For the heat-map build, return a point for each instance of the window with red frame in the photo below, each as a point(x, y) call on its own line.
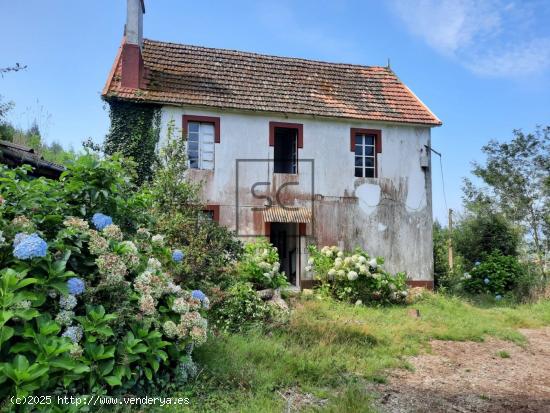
point(202, 133)
point(366, 144)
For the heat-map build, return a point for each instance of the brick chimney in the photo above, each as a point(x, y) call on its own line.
point(132, 61)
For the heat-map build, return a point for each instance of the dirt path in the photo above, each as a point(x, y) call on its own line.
point(473, 377)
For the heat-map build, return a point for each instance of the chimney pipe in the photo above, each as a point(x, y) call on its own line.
point(134, 22)
point(132, 60)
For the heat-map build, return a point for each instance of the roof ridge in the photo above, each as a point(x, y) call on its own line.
point(300, 59)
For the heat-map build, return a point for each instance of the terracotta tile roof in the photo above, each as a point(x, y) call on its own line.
point(190, 75)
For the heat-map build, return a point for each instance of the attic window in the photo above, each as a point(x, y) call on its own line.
point(285, 138)
point(366, 145)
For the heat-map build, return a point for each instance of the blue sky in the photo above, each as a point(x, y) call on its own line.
point(482, 66)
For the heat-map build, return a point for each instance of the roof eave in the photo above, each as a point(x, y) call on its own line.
point(113, 95)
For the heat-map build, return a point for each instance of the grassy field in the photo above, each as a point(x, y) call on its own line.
point(331, 349)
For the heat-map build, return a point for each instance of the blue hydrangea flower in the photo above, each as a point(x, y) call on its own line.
point(177, 255)
point(18, 238)
point(74, 333)
point(198, 294)
point(29, 246)
point(498, 297)
point(477, 263)
point(101, 221)
point(486, 281)
point(76, 286)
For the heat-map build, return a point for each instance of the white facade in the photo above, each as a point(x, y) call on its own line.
point(389, 216)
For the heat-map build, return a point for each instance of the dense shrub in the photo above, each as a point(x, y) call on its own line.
point(259, 265)
point(497, 275)
point(88, 306)
point(210, 249)
point(355, 276)
point(89, 184)
point(238, 308)
point(476, 236)
point(440, 254)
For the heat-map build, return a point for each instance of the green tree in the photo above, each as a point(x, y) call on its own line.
point(479, 234)
point(441, 257)
point(516, 175)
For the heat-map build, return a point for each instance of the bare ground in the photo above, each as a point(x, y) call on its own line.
point(473, 377)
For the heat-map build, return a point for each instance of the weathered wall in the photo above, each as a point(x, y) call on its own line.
point(389, 216)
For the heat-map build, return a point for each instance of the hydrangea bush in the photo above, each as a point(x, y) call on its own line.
point(88, 300)
point(260, 266)
point(497, 275)
point(91, 311)
point(355, 277)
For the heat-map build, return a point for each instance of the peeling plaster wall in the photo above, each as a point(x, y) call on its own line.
point(390, 216)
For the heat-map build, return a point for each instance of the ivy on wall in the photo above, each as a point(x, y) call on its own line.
point(134, 132)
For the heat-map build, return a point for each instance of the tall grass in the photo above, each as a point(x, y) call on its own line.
point(331, 349)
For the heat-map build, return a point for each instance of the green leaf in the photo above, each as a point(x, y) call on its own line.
point(113, 381)
point(5, 334)
point(148, 373)
point(106, 367)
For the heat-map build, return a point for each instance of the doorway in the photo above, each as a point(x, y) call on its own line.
point(285, 236)
point(285, 151)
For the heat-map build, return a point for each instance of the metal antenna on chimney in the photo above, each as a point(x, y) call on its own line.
point(389, 65)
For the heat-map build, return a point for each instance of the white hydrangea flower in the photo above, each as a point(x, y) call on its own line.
point(310, 261)
point(130, 246)
point(153, 264)
point(158, 239)
point(337, 262)
point(341, 273)
point(332, 272)
point(308, 268)
point(373, 263)
point(340, 254)
point(352, 275)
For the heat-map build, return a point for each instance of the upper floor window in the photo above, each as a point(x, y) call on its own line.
point(366, 144)
point(202, 133)
point(285, 138)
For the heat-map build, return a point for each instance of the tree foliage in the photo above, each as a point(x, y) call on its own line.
point(516, 175)
point(476, 236)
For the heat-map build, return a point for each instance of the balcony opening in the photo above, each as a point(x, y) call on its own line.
point(285, 150)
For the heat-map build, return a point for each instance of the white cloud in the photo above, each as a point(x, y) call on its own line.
point(489, 37)
point(523, 59)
